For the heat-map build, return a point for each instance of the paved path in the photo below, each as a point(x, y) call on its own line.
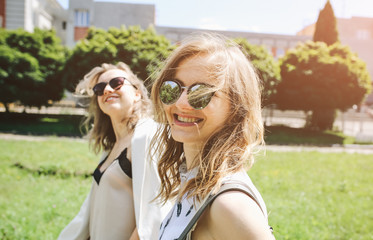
point(11, 136)
point(363, 149)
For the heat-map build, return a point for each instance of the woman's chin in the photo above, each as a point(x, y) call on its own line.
point(186, 137)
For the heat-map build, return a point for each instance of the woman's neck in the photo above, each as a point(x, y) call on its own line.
point(123, 136)
point(120, 127)
point(191, 152)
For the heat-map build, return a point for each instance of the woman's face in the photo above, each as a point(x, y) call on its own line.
point(188, 125)
point(117, 102)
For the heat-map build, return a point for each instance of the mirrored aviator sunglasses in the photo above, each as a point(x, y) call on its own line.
point(114, 83)
point(199, 94)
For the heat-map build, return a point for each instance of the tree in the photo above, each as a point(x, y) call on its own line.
point(268, 69)
point(142, 50)
point(19, 77)
point(29, 65)
point(321, 79)
point(326, 26)
point(326, 31)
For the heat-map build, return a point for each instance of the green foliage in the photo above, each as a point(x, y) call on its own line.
point(30, 64)
point(142, 50)
point(267, 68)
point(316, 77)
point(326, 26)
point(3, 36)
point(20, 77)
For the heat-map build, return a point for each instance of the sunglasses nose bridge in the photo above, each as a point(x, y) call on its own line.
point(108, 89)
point(182, 101)
point(184, 90)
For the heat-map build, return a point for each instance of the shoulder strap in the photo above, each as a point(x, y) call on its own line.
point(125, 164)
point(224, 188)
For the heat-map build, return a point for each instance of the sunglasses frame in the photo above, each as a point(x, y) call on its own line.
point(101, 91)
point(182, 88)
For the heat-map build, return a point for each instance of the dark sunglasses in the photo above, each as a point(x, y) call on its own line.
point(199, 94)
point(115, 83)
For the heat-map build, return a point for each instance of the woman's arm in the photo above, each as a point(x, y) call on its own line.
point(233, 215)
point(145, 182)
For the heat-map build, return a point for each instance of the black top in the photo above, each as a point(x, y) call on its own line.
point(124, 164)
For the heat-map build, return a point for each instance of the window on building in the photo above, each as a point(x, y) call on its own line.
point(363, 34)
point(273, 51)
point(280, 52)
point(64, 25)
point(81, 18)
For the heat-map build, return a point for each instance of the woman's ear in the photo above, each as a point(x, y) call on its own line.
point(137, 96)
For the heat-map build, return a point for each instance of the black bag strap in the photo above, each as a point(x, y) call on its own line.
point(224, 188)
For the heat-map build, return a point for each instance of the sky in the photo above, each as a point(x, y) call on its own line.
point(262, 16)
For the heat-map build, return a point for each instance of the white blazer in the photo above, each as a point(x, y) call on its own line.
point(145, 183)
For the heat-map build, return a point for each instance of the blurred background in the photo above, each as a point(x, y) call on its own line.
point(272, 32)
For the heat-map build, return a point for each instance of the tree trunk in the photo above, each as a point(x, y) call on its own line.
point(6, 107)
point(322, 119)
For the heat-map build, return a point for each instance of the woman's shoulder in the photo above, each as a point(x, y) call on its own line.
point(145, 121)
point(146, 126)
point(242, 179)
point(236, 213)
point(234, 203)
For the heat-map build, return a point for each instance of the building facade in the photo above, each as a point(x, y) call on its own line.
point(83, 14)
point(276, 44)
point(30, 14)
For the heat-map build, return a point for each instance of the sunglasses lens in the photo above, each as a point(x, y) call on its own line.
point(98, 89)
point(199, 96)
point(169, 92)
point(116, 82)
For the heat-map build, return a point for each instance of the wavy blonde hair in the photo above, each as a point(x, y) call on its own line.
point(231, 147)
point(101, 134)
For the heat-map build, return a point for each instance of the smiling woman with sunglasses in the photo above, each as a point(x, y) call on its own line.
point(119, 205)
point(207, 97)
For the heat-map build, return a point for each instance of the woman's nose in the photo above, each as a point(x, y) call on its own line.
point(182, 102)
point(108, 89)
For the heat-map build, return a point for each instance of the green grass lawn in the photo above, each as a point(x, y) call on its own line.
point(312, 195)
point(309, 195)
point(39, 192)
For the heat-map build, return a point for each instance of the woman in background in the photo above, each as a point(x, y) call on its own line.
point(125, 181)
point(208, 98)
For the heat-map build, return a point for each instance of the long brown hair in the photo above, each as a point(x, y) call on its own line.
point(232, 146)
point(101, 134)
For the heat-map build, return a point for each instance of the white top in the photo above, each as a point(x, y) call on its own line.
point(145, 186)
point(182, 212)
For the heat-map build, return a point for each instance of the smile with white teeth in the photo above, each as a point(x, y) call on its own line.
point(187, 119)
point(110, 98)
